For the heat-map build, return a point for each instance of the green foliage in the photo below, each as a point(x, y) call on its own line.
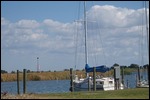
point(116, 64)
point(28, 71)
point(2, 79)
point(134, 66)
point(146, 66)
point(36, 78)
point(13, 72)
point(3, 71)
point(66, 69)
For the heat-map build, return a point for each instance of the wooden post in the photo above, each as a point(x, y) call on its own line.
point(139, 78)
point(89, 87)
point(127, 84)
point(24, 81)
point(148, 74)
point(94, 78)
point(71, 80)
point(18, 88)
point(115, 79)
point(136, 79)
point(122, 69)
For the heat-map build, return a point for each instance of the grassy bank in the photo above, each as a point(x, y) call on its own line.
point(136, 93)
point(59, 75)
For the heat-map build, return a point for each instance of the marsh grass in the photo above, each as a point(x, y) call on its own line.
point(59, 75)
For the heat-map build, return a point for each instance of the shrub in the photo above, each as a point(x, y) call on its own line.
point(36, 78)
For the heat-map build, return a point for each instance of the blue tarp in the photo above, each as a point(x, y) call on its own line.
point(101, 68)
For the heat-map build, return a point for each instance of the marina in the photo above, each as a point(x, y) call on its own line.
point(55, 86)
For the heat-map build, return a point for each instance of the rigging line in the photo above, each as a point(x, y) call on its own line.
point(101, 41)
point(96, 54)
point(75, 43)
point(147, 31)
point(93, 45)
point(76, 38)
point(142, 41)
point(96, 57)
point(141, 44)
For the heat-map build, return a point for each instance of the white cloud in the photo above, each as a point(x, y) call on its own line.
point(27, 24)
point(111, 16)
point(4, 21)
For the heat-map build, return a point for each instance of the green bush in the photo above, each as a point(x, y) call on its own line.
point(36, 78)
point(2, 79)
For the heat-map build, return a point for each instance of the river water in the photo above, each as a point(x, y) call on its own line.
point(55, 86)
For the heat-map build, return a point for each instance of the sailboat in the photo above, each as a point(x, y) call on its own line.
point(102, 83)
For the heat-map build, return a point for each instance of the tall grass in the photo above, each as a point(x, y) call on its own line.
point(59, 75)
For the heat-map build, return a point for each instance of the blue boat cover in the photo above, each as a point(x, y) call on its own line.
point(101, 68)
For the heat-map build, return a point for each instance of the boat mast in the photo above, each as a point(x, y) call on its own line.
point(85, 27)
point(147, 28)
point(147, 38)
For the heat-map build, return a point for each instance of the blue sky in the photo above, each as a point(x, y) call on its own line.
point(45, 29)
point(63, 11)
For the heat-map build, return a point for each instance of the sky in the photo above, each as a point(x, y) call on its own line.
point(49, 30)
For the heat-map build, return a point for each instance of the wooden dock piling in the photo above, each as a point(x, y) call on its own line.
point(148, 74)
point(139, 76)
point(117, 77)
point(89, 87)
point(71, 80)
point(18, 87)
point(94, 79)
point(122, 72)
point(127, 84)
point(24, 81)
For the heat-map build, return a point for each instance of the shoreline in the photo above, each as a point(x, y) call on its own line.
point(59, 75)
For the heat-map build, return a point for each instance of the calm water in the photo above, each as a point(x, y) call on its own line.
point(50, 86)
point(55, 86)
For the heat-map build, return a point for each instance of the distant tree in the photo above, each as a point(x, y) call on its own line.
point(3, 71)
point(112, 67)
point(28, 71)
point(141, 66)
point(54, 70)
point(20, 72)
point(116, 64)
point(77, 70)
point(145, 66)
point(123, 66)
point(12, 72)
point(134, 66)
point(66, 69)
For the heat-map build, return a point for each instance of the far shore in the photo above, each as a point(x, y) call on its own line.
point(56, 75)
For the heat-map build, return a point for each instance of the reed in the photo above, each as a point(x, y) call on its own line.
point(59, 75)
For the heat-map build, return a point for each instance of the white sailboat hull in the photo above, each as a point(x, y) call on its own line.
point(143, 84)
point(105, 84)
